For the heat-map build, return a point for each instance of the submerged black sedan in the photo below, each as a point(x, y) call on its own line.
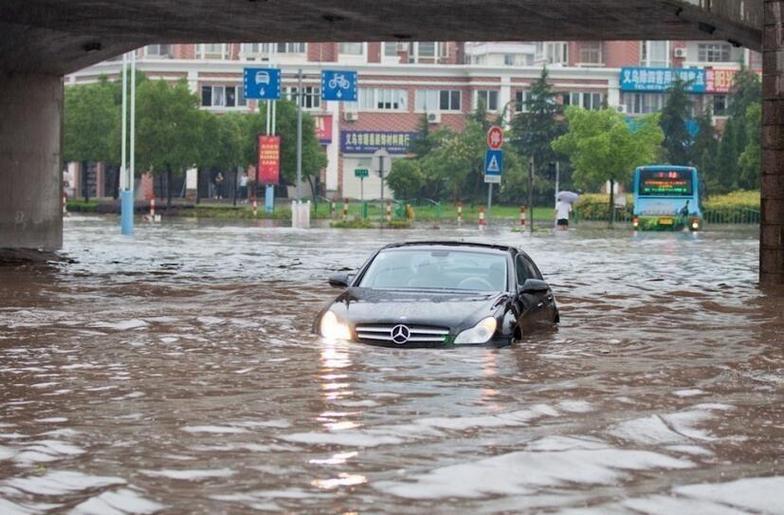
point(437, 294)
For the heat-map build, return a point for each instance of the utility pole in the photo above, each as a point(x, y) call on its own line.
point(299, 134)
point(531, 195)
point(557, 179)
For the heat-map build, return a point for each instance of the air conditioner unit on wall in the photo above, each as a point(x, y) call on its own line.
point(434, 117)
point(350, 116)
point(621, 108)
point(679, 53)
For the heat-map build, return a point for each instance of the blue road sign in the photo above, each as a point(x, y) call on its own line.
point(494, 162)
point(262, 83)
point(339, 85)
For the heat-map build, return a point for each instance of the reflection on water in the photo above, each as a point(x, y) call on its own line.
point(177, 372)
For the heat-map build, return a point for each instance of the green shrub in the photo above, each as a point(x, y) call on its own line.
point(595, 206)
point(734, 207)
point(357, 223)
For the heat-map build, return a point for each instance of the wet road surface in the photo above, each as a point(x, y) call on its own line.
point(177, 373)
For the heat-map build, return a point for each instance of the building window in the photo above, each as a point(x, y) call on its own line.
point(552, 52)
point(212, 51)
point(720, 105)
point(586, 100)
point(351, 49)
point(222, 96)
point(521, 101)
point(489, 97)
point(310, 99)
point(290, 48)
point(642, 103)
point(591, 52)
point(714, 52)
point(437, 100)
point(383, 99)
point(390, 48)
point(158, 50)
point(255, 50)
point(426, 51)
point(655, 54)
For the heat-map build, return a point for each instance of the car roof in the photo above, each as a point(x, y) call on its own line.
point(467, 245)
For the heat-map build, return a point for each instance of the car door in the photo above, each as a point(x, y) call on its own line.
point(537, 308)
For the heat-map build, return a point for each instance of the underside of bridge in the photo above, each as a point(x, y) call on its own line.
point(41, 40)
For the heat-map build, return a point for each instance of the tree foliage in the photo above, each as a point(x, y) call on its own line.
point(90, 119)
point(674, 118)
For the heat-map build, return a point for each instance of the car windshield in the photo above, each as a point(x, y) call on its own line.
point(445, 269)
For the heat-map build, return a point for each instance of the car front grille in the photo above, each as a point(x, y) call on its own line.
point(417, 334)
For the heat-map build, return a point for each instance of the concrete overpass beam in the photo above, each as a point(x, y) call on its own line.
point(31, 112)
point(772, 227)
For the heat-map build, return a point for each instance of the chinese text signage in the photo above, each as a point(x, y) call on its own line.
point(367, 142)
point(269, 159)
point(719, 80)
point(660, 79)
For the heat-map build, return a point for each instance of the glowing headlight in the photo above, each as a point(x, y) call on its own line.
point(333, 329)
point(480, 333)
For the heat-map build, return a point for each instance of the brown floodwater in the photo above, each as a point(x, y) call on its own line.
point(176, 372)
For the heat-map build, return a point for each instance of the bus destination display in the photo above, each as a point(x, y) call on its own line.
point(668, 183)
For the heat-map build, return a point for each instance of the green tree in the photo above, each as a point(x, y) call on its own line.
point(169, 129)
point(422, 143)
point(90, 119)
point(603, 147)
point(674, 117)
point(750, 160)
point(535, 128)
point(406, 178)
point(222, 143)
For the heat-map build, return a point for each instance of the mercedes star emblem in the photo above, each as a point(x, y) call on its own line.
point(400, 334)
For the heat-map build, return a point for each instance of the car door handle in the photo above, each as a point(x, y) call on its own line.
point(540, 305)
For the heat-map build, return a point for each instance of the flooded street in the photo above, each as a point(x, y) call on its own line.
point(177, 372)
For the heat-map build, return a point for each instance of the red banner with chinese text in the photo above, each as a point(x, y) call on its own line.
point(269, 159)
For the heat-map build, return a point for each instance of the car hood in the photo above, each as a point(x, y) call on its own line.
point(456, 310)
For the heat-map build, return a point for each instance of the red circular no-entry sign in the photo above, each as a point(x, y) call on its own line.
point(495, 137)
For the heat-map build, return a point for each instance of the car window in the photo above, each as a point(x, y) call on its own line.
point(437, 269)
point(525, 269)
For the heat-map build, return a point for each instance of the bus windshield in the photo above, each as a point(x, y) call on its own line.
point(666, 183)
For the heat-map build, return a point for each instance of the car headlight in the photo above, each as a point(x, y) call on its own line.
point(334, 329)
point(480, 333)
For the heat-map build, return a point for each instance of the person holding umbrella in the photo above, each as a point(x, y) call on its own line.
point(563, 206)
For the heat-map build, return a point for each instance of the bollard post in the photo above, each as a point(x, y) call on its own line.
point(333, 210)
point(345, 209)
point(389, 212)
point(459, 213)
point(482, 222)
point(255, 208)
point(523, 216)
point(152, 209)
point(65, 204)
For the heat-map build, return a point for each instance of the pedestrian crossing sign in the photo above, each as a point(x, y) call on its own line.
point(494, 162)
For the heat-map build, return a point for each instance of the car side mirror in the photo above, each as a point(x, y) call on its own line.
point(533, 286)
point(339, 280)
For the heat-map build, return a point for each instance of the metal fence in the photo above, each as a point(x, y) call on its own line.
point(729, 215)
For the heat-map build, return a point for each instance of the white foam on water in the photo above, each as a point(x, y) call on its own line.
point(369, 438)
point(689, 392)
point(647, 430)
point(122, 325)
point(10, 508)
point(765, 494)
point(214, 429)
point(667, 505)
point(210, 320)
point(51, 420)
point(189, 474)
point(522, 473)
point(6, 453)
point(515, 418)
point(61, 482)
point(120, 501)
point(690, 449)
point(278, 424)
point(575, 406)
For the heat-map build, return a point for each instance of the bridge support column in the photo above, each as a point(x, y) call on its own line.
point(31, 191)
point(772, 227)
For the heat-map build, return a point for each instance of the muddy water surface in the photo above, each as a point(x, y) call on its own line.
point(176, 372)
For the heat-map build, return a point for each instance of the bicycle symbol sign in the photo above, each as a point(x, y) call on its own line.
point(339, 85)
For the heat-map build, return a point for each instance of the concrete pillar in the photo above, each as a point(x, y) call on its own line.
point(772, 227)
point(31, 189)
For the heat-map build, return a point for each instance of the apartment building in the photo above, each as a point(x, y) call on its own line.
point(402, 82)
